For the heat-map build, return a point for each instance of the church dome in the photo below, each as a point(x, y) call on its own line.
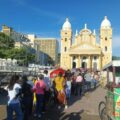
point(105, 23)
point(66, 25)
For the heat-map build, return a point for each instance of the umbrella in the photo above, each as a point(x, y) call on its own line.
point(56, 72)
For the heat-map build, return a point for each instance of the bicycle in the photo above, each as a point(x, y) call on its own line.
point(110, 109)
point(107, 108)
point(102, 105)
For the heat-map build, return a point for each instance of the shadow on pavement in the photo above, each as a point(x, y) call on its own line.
point(56, 114)
point(53, 113)
point(73, 99)
point(73, 116)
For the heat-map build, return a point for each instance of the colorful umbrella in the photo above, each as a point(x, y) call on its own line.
point(56, 72)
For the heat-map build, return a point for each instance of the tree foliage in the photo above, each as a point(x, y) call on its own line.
point(115, 58)
point(6, 42)
point(7, 50)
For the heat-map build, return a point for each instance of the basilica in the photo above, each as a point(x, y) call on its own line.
point(85, 52)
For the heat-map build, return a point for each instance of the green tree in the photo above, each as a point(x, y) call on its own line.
point(6, 42)
point(7, 50)
point(115, 58)
point(21, 54)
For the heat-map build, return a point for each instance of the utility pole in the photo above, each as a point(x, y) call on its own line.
point(37, 53)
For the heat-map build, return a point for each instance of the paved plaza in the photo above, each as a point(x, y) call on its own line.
point(84, 108)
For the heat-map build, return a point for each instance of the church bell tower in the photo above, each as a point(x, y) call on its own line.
point(66, 41)
point(106, 41)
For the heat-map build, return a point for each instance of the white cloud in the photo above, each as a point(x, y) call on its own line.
point(19, 2)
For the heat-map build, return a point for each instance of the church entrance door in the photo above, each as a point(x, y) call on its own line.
point(84, 65)
point(74, 65)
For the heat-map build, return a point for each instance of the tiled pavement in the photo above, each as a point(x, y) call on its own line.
point(84, 108)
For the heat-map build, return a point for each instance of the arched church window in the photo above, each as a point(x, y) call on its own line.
point(65, 39)
point(95, 57)
point(105, 48)
point(84, 65)
point(74, 65)
point(105, 38)
point(65, 49)
point(65, 33)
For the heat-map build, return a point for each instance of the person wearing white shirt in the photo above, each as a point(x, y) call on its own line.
point(88, 80)
point(13, 104)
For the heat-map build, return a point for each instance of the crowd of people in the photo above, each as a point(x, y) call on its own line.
point(30, 97)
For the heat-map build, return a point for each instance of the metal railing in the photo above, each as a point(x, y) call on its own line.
point(12, 69)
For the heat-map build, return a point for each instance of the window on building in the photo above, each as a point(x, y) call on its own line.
point(84, 65)
point(105, 38)
point(74, 65)
point(65, 49)
point(65, 33)
point(65, 39)
point(105, 48)
point(95, 57)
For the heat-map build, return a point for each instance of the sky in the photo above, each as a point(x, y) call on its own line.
point(46, 17)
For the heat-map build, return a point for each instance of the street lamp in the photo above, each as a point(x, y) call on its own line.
point(37, 52)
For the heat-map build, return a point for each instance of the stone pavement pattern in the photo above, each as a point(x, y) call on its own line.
point(84, 108)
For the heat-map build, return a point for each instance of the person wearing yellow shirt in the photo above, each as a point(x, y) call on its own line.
point(34, 95)
point(60, 87)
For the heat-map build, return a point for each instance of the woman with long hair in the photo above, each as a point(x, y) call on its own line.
point(13, 104)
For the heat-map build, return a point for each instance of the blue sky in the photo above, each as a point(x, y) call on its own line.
point(46, 17)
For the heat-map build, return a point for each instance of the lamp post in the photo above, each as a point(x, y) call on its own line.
point(37, 57)
point(37, 53)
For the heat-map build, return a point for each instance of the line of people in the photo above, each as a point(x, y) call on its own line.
point(84, 81)
point(29, 98)
point(25, 95)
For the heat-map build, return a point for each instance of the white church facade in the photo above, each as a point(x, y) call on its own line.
point(85, 52)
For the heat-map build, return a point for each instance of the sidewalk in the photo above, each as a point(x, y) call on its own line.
point(84, 108)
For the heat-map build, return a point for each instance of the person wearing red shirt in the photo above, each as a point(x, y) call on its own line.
point(39, 89)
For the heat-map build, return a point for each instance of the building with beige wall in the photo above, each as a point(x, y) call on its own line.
point(18, 45)
point(31, 37)
point(85, 52)
point(19, 38)
point(47, 50)
point(7, 30)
